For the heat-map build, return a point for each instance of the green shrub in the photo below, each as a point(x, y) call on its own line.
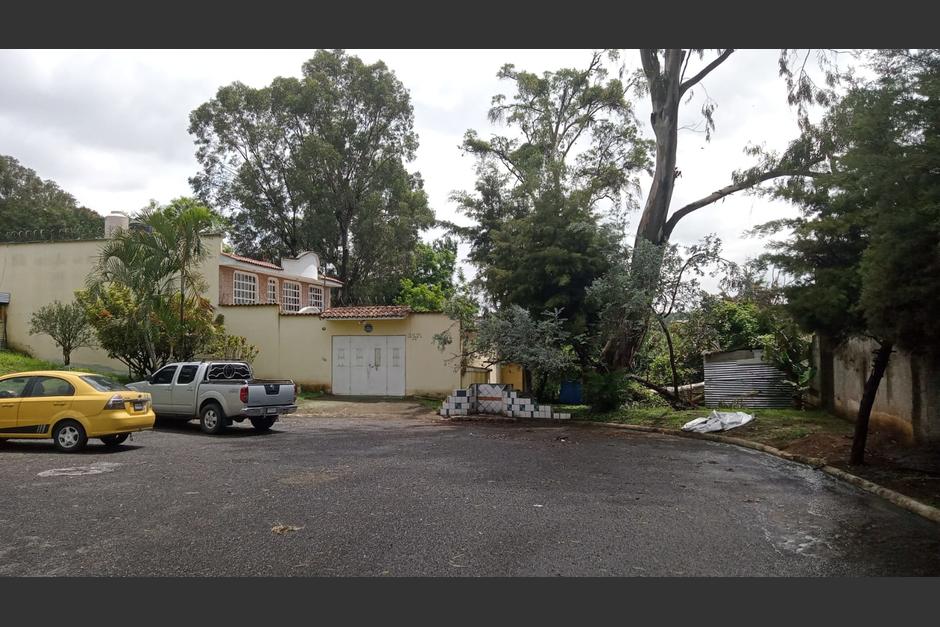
point(606, 391)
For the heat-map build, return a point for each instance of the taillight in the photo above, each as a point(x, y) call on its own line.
point(115, 402)
point(243, 394)
point(295, 394)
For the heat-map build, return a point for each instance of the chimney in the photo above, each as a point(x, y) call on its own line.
point(117, 221)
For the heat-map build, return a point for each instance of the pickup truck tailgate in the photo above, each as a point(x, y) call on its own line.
point(268, 393)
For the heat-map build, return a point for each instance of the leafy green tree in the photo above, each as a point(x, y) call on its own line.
point(145, 293)
point(864, 248)
point(421, 296)
point(669, 82)
point(144, 344)
point(431, 281)
point(66, 324)
point(318, 163)
point(539, 240)
point(540, 346)
point(33, 208)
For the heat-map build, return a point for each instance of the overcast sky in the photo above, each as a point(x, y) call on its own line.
point(111, 127)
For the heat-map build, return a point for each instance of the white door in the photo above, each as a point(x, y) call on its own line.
point(396, 365)
point(369, 365)
point(341, 368)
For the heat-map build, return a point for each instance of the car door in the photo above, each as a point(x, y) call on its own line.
point(46, 400)
point(161, 389)
point(183, 394)
point(11, 392)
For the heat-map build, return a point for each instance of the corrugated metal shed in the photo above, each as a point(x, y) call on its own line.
point(743, 378)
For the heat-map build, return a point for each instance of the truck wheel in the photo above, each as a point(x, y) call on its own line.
point(115, 440)
point(69, 436)
point(262, 424)
point(211, 419)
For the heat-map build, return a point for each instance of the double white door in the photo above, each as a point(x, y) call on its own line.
point(369, 365)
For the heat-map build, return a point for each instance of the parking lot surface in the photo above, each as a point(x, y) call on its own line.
point(385, 489)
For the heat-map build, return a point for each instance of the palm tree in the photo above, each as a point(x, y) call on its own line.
point(148, 261)
point(177, 231)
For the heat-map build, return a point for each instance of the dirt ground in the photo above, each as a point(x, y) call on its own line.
point(914, 471)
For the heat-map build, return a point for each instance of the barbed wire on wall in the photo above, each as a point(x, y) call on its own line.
point(52, 234)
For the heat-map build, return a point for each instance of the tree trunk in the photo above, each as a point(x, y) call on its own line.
point(672, 356)
point(674, 401)
point(664, 96)
point(67, 357)
point(882, 356)
point(344, 268)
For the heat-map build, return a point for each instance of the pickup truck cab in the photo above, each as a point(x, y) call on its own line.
point(218, 393)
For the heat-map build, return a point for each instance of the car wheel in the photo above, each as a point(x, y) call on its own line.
point(262, 424)
point(115, 440)
point(69, 436)
point(212, 419)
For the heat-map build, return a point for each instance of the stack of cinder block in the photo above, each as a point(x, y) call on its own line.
point(495, 398)
point(460, 403)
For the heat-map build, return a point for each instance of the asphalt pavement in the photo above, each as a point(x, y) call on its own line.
point(387, 490)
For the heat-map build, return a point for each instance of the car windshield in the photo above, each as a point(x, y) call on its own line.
point(104, 384)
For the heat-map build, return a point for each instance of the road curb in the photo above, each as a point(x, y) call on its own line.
point(912, 505)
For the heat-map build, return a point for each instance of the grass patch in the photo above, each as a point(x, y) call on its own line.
point(426, 401)
point(11, 361)
point(776, 427)
point(310, 395)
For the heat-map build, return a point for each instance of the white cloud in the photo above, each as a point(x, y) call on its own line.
point(111, 126)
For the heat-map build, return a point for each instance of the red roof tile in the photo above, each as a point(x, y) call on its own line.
point(256, 262)
point(366, 313)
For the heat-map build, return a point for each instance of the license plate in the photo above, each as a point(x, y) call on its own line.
point(138, 406)
point(271, 410)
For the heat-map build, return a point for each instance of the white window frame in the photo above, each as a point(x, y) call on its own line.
point(240, 293)
point(290, 302)
point(315, 289)
point(272, 282)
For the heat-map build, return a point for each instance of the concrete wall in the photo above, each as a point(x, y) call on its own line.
point(38, 273)
point(907, 402)
point(300, 346)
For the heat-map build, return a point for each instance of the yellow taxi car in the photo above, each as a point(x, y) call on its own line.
point(71, 407)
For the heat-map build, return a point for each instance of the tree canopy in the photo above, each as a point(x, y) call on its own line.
point(430, 282)
point(550, 192)
point(34, 208)
point(864, 249)
point(318, 163)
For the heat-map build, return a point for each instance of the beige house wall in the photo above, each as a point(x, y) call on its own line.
point(299, 347)
point(39, 273)
point(291, 346)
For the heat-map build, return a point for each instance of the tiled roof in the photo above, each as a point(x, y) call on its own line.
point(366, 313)
point(255, 262)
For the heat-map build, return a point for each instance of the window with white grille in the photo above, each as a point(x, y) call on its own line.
point(244, 288)
point(291, 296)
point(272, 291)
point(316, 296)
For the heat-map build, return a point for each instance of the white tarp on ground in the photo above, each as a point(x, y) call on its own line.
point(718, 421)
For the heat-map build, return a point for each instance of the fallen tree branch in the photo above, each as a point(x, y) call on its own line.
point(674, 401)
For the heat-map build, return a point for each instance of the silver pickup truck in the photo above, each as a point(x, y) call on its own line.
point(218, 393)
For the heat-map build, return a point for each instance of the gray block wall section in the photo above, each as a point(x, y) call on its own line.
point(908, 399)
